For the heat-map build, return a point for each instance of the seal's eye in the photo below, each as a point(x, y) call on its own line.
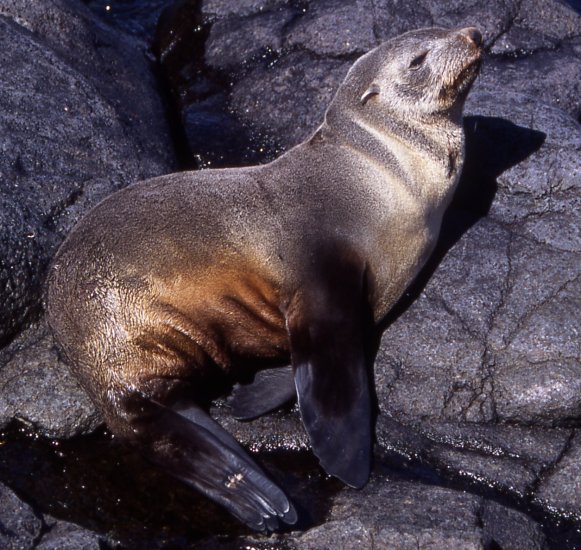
point(417, 61)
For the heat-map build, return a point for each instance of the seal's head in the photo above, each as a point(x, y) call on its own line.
point(422, 72)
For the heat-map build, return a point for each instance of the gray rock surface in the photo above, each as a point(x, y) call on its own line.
point(62, 535)
point(80, 118)
point(20, 526)
point(37, 389)
point(408, 516)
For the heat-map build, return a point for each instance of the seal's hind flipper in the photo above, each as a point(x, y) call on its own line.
point(328, 324)
point(194, 448)
point(270, 389)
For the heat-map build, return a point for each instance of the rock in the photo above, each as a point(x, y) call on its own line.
point(509, 529)
point(20, 527)
point(510, 460)
point(334, 28)
point(63, 535)
point(81, 118)
point(232, 44)
point(131, 16)
point(404, 515)
point(560, 486)
point(222, 8)
point(39, 390)
point(292, 97)
point(493, 19)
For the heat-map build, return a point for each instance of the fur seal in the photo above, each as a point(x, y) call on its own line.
point(294, 261)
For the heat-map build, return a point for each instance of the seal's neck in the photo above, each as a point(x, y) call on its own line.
point(424, 153)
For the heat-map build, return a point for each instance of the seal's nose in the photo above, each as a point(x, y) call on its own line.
point(473, 34)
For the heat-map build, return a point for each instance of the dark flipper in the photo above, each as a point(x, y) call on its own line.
point(193, 447)
point(270, 389)
point(327, 325)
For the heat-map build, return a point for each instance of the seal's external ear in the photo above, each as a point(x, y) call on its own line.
point(369, 93)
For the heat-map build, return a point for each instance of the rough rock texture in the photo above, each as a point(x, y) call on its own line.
point(62, 535)
point(478, 370)
point(407, 516)
point(23, 529)
point(38, 390)
point(20, 527)
point(80, 118)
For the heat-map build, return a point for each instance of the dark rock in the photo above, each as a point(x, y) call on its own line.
point(292, 96)
point(39, 390)
point(335, 28)
point(493, 18)
point(537, 26)
point(20, 527)
point(506, 460)
point(282, 431)
point(81, 118)
point(233, 43)
point(560, 487)
point(222, 8)
point(403, 515)
point(551, 76)
point(509, 529)
point(398, 514)
point(62, 535)
point(390, 514)
point(135, 17)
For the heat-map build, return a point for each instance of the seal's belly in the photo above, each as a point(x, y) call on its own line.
point(226, 314)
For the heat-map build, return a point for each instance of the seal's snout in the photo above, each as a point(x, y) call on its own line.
point(473, 34)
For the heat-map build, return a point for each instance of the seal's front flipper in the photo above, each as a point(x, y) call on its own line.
point(327, 325)
point(270, 389)
point(194, 448)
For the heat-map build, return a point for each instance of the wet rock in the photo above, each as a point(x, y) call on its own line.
point(404, 515)
point(222, 8)
point(39, 390)
point(253, 47)
point(80, 118)
point(232, 43)
point(132, 16)
point(292, 97)
point(280, 431)
point(509, 529)
point(62, 535)
point(507, 459)
point(20, 527)
point(560, 487)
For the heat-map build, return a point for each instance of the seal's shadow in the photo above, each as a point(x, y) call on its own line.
point(493, 146)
